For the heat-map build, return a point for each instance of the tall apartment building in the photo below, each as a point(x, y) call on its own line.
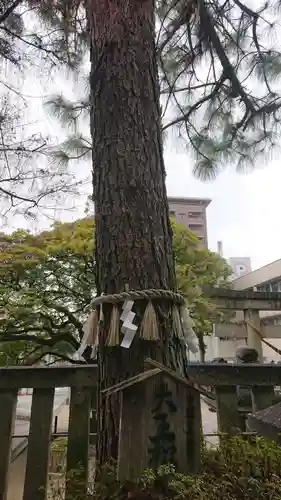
point(192, 213)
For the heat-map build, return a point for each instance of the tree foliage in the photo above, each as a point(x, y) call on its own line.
point(219, 66)
point(221, 63)
point(47, 284)
point(33, 174)
point(27, 30)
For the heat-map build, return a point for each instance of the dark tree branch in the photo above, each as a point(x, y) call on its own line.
point(16, 337)
point(228, 70)
point(10, 10)
point(64, 357)
point(67, 313)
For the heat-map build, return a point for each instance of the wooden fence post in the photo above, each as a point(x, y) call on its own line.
point(194, 425)
point(262, 397)
point(229, 418)
point(36, 476)
point(8, 400)
point(78, 444)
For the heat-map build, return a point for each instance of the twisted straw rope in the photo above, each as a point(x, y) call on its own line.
point(150, 294)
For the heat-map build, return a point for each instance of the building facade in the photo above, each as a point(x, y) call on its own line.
point(191, 212)
point(240, 266)
point(265, 279)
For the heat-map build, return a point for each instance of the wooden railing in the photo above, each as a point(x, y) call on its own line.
point(230, 382)
point(82, 382)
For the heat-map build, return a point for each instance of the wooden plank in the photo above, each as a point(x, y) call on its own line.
point(168, 371)
point(35, 485)
point(93, 419)
point(175, 376)
point(194, 427)
point(142, 411)
point(8, 400)
point(229, 418)
point(78, 443)
point(234, 374)
point(131, 381)
point(239, 331)
point(263, 397)
point(42, 377)
point(136, 425)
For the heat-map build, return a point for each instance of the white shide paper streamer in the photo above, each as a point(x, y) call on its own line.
point(128, 328)
point(190, 336)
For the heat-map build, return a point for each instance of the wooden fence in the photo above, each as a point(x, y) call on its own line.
point(82, 381)
point(230, 382)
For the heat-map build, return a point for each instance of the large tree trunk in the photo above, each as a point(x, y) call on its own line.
point(133, 232)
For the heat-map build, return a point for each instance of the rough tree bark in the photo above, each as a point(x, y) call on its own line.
point(133, 232)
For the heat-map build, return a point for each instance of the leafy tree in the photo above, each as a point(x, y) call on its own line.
point(47, 284)
point(196, 269)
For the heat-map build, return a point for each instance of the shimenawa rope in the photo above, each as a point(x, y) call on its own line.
point(182, 324)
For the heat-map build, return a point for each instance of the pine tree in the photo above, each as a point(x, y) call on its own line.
point(217, 72)
point(33, 173)
point(219, 66)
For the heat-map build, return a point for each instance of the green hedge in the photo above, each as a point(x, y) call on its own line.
point(241, 469)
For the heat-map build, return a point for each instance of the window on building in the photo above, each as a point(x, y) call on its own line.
point(270, 287)
point(195, 227)
point(195, 215)
point(276, 286)
point(172, 213)
point(266, 288)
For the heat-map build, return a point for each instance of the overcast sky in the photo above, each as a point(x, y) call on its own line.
point(245, 209)
point(244, 212)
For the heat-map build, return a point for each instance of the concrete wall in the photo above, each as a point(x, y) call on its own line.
point(212, 349)
point(226, 349)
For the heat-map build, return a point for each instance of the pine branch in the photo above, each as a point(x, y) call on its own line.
point(10, 10)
